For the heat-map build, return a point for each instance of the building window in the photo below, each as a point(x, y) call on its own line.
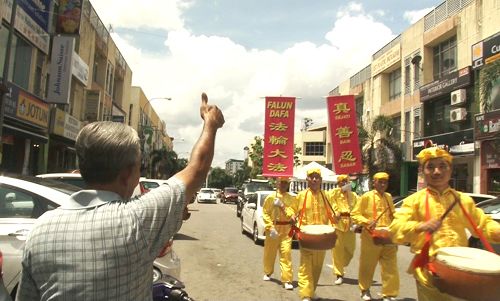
point(395, 84)
point(416, 74)
point(396, 133)
point(110, 79)
point(38, 84)
point(407, 77)
point(22, 62)
point(314, 149)
point(416, 123)
point(4, 34)
point(445, 58)
point(359, 110)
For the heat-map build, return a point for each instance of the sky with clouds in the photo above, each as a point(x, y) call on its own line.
point(240, 51)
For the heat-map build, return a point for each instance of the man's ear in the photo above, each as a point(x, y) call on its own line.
point(125, 175)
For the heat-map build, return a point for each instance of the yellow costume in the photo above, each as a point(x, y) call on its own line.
point(343, 203)
point(450, 234)
point(362, 214)
point(278, 219)
point(314, 212)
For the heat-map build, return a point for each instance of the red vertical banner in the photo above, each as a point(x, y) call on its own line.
point(278, 137)
point(344, 134)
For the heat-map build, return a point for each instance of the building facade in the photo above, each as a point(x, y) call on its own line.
point(64, 71)
point(424, 79)
point(233, 165)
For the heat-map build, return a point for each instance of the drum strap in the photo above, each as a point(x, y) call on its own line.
point(388, 208)
point(328, 207)
point(479, 233)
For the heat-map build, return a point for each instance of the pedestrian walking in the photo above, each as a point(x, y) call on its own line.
point(314, 209)
point(278, 211)
point(375, 212)
point(343, 201)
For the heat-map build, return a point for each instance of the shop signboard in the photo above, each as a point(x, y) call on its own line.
point(486, 51)
point(26, 107)
point(38, 10)
point(457, 143)
point(65, 125)
point(487, 125)
point(69, 17)
point(63, 48)
point(450, 82)
point(389, 58)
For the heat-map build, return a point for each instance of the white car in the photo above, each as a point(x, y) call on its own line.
point(22, 200)
point(492, 208)
point(251, 216)
point(206, 195)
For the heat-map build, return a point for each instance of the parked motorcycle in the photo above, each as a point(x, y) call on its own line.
point(171, 289)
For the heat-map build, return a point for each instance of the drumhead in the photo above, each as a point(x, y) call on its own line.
point(317, 229)
point(470, 259)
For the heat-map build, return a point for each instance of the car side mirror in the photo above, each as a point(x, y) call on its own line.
point(251, 206)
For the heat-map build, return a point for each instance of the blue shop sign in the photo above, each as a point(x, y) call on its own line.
point(38, 10)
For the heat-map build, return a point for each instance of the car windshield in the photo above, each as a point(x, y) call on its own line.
point(258, 186)
point(231, 190)
point(206, 191)
point(492, 207)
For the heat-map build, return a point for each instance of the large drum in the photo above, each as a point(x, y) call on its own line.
point(317, 237)
point(381, 236)
point(467, 273)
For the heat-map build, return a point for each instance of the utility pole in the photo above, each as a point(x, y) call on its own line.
point(3, 88)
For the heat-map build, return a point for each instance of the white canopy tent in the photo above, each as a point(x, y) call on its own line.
point(299, 182)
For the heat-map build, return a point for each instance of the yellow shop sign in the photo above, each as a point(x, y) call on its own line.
point(32, 110)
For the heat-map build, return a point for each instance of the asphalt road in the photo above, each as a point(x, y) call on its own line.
point(220, 263)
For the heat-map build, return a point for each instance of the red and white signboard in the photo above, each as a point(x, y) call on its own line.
point(278, 137)
point(344, 134)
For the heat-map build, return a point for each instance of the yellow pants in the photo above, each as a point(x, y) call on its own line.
point(311, 264)
point(372, 254)
point(283, 245)
point(343, 251)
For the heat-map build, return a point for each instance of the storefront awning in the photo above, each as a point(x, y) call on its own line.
point(27, 134)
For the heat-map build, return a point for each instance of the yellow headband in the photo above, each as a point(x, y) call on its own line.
point(432, 153)
point(341, 178)
point(314, 170)
point(381, 176)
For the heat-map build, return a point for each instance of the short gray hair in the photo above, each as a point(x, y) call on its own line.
point(104, 148)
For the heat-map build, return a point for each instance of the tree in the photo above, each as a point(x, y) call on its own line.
point(241, 174)
point(380, 151)
point(489, 81)
point(166, 163)
point(218, 178)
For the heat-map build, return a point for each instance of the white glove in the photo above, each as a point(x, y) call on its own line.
point(278, 203)
point(273, 233)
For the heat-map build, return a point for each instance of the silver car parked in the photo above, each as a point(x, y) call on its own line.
point(22, 200)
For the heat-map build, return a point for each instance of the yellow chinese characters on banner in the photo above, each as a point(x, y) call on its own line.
point(344, 134)
point(278, 137)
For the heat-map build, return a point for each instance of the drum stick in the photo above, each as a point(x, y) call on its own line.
point(448, 210)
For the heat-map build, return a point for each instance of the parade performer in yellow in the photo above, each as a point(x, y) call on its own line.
point(420, 214)
point(375, 210)
point(343, 201)
point(314, 209)
point(278, 210)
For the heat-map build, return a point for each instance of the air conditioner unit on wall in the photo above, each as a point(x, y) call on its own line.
point(458, 114)
point(458, 97)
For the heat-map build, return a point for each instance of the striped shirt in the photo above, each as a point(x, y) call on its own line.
point(100, 247)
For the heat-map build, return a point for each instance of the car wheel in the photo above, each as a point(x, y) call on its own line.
point(255, 234)
point(156, 275)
